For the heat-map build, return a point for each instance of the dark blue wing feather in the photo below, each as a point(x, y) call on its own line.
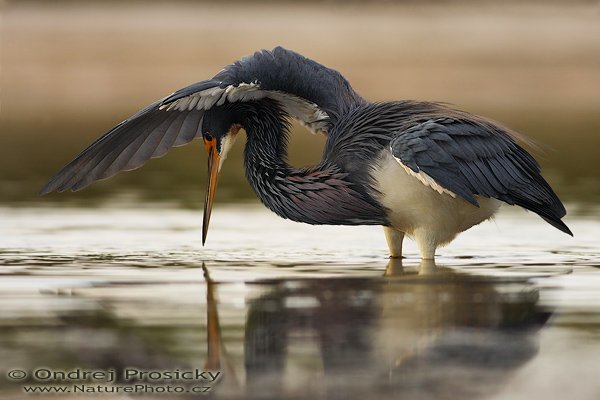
point(169, 122)
point(149, 133)
point(287, 71)
point(469, 158)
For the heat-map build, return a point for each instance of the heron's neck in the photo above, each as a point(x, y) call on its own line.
point(318, 195)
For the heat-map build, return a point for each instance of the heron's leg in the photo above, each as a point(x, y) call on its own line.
point(394, 239)
point(427, 244)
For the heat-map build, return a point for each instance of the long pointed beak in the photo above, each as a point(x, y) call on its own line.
point(211, 189)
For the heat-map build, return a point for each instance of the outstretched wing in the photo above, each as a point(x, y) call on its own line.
point(150, 133)
point(465, 158)
point(306, 90)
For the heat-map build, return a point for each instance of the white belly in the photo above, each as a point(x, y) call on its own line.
point(418, 209)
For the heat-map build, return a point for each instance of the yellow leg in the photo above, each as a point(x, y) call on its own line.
point(394, 239)
point(427, 244)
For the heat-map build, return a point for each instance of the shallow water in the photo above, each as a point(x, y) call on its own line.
point(285, 310)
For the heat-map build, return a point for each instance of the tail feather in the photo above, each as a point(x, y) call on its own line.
point(558, 224)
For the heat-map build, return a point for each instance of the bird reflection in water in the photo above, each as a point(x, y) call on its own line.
point(415, 333)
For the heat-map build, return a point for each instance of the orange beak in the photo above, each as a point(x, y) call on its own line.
point(213, 179)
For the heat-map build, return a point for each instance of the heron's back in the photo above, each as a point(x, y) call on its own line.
point(463, 154)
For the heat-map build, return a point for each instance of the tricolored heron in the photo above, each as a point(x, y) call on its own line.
point(416, 168)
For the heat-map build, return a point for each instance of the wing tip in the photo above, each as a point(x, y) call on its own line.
point(45, 190)
point(58, 184)
point(49, 187)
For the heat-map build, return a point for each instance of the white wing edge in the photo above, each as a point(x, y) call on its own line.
point(425, 179)
point(307, 113)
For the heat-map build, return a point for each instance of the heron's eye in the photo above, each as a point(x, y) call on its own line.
point(208, 136)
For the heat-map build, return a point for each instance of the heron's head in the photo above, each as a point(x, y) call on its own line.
point(219, 129)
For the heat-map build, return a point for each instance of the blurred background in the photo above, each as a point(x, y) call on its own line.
point(70, 70)
point(304, 306)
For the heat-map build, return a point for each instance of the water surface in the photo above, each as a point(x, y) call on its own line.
point(285, 310)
